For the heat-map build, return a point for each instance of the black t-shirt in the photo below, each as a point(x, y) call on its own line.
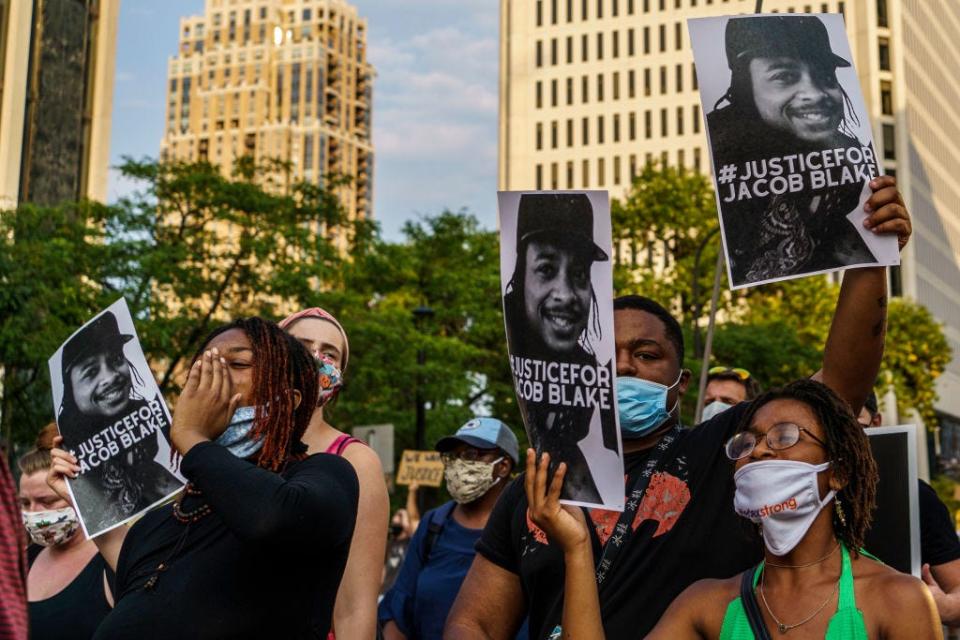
point(938, 538)
point(685, 530)
point(75, 612)
point(266, 563)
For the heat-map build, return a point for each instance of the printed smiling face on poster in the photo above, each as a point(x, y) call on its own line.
point(113, 418)
point(557, 286)
point(791, 145)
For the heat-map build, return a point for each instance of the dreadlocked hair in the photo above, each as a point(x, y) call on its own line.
point(281, 365)
point(851, 460)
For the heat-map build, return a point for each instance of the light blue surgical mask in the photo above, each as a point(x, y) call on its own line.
point(714, 409)
point(642, 405)
point(237, 436)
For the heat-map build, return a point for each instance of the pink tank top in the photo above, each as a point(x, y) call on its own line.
point(337, 447)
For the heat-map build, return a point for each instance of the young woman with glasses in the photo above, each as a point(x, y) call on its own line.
point(805, 475)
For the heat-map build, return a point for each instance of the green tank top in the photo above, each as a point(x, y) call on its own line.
point(846, 624)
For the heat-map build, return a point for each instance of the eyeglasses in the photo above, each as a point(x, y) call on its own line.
point(743, 374)
point(469, 455)
point(782, 435)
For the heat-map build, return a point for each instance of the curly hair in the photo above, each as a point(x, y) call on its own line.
point(849, 451)
point(281, 365)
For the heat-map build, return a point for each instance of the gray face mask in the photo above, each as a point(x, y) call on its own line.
point(714, 409)
point(469, 480)
point(237, 436)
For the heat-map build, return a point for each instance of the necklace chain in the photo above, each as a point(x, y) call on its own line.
point(784, 628)
point(802, 566)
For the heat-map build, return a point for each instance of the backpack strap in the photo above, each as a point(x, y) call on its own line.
point(435, 525)
point(749, 600)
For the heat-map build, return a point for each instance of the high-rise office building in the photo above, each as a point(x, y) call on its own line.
point(56, 97)
point(590, 90)
point(285, 79)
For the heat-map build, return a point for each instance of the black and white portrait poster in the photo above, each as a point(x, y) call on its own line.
point(113, 419)
point(791, 146)
point(557, 284)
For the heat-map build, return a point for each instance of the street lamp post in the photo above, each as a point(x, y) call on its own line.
point(696, 290)
point(421, 314)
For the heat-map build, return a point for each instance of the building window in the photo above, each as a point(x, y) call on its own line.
point(886, 98)
point(696, 159)
point(616, 127)
point(696, 118)
point(633, 167)
point(616, 170)
point(539, 53)
point(663, 80)
point(884, 54)
point(679, 78)
point(569, 91)
point(584, 48)
point(631, 42)
point(646, 39)
point(600, 171)
point(585, 88)
point(553, 52)
point(599, 9)
point(616, 85)
point(647, 124)
point(570, 174)
point(569, 49)
point(679, 121)
point(889, 142)
point(646, 82)
point(678, 35)
point(583, 9)
point(693, 76)
point(585, 131)
point(586, 174)
point(539, 136)
point(553, 92)
point(600, 129)
point(539, 94)
point(539, 177)
point(632, 126)
point(569, 132)
point(616, 44)
point(553, 11)
point(539, 13)
point(554, 135)
point(663, 38)
point(630, 7)
point(599, 46)
point(599, 87)
point(615, 8)
point(631, 84)
point(569, 10)
point(663, 123)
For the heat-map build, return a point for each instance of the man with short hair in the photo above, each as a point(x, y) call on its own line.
point(727, 387)
point(680, 524)
point(939, 545)
point(478, 460)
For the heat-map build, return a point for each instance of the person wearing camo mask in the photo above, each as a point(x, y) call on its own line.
point(478, 460)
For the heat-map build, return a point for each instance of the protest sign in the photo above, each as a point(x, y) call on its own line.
point(791, 146)
point(894, 535)
point(420, 467)
point(114, 420)
point(557, 286)
point(378, 437)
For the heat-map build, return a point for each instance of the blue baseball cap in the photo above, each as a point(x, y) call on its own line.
point(483, 433)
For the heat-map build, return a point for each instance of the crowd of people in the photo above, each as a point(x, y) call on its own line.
point(748, 525)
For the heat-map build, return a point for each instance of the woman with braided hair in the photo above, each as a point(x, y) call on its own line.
point(256, 545)
point(805, 475)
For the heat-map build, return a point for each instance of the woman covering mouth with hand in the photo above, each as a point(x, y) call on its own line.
point(805, 476)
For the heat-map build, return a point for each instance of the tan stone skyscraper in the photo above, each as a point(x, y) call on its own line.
point(285, 79)
point(591, 89)
point(56, 97)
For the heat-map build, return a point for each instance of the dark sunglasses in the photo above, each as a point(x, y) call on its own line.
point(782, 435)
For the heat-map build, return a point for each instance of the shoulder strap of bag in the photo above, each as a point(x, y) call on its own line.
point(438, 520)
point(749, 600)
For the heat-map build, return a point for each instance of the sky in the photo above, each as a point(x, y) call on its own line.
point(434, 102)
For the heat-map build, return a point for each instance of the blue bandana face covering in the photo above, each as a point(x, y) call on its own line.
point(237, 436)
point(642, 405)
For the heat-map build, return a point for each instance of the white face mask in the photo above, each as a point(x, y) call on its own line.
point(50, 528)
point(714, 409)
point(783, 497)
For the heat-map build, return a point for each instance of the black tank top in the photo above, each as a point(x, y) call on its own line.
point(75, 612)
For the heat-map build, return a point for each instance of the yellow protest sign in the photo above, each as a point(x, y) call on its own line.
point(420, 467)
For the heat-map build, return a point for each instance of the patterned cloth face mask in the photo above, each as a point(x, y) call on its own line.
point(237, 437)
point(331, 379)
point(50, 528)
point(469, 480)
